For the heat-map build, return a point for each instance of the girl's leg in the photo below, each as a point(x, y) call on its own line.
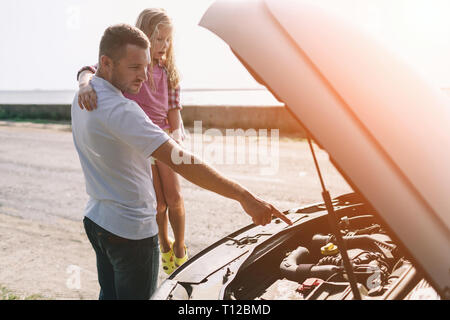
point(161, 211)
point(174, 200)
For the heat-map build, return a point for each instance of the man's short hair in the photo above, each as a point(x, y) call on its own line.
point(116, 37)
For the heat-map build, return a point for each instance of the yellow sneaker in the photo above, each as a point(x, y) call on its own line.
point(167, 259)
point(179, 261)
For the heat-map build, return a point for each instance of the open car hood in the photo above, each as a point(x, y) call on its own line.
point(384, 126)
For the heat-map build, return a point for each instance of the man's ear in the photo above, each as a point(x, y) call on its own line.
point(106, 62)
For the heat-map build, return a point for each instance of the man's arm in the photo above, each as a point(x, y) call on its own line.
point(208, 178)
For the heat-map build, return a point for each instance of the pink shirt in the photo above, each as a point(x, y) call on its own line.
point(154, 102)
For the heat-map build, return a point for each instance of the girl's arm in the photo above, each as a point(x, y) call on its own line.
point(174, 115)
point(176, 125)
point(87, 98)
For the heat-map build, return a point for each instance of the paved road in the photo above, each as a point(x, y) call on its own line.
point(41, 178)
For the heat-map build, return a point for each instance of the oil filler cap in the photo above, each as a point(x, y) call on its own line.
point(329, 249)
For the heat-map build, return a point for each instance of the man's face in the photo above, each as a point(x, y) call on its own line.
point(129, 72)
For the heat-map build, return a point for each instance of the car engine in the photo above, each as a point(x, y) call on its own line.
point(304, 262)
point(316, 271)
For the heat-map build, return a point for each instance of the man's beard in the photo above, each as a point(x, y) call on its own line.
point(122, 86)
point(115, 80)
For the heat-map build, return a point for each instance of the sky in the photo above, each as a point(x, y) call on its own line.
point(44, 43)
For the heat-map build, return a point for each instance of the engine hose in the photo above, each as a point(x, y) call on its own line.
point(289, 265)
point(295, 268)
point(322, 272)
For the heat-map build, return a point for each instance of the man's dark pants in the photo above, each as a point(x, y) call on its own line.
point(127, 269)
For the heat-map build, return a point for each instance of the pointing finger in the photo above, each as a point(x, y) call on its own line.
point(280, 215)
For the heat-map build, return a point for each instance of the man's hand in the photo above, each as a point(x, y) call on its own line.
point(261, 211)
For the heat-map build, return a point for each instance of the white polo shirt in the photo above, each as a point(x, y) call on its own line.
point(114, 143)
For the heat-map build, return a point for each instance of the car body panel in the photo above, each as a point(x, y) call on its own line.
point(361, 103)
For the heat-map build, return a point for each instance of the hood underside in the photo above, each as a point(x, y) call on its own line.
point(383, 125)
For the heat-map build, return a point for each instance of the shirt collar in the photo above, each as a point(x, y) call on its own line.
point(96, 80)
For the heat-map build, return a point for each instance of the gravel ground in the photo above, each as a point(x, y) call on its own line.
point(44, 250)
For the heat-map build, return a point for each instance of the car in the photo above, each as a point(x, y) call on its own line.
point(386, 130)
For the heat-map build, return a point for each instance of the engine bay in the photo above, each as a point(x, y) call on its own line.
point(310, 266)
point(304, 262)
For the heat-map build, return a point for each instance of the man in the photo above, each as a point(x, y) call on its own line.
point(114, 143)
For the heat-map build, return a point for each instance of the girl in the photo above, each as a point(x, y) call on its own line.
point(159, 97)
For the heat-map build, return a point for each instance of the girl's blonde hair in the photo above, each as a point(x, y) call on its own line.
point(149, 22)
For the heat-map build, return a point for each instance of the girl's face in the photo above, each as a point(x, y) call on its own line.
point(161, 42)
